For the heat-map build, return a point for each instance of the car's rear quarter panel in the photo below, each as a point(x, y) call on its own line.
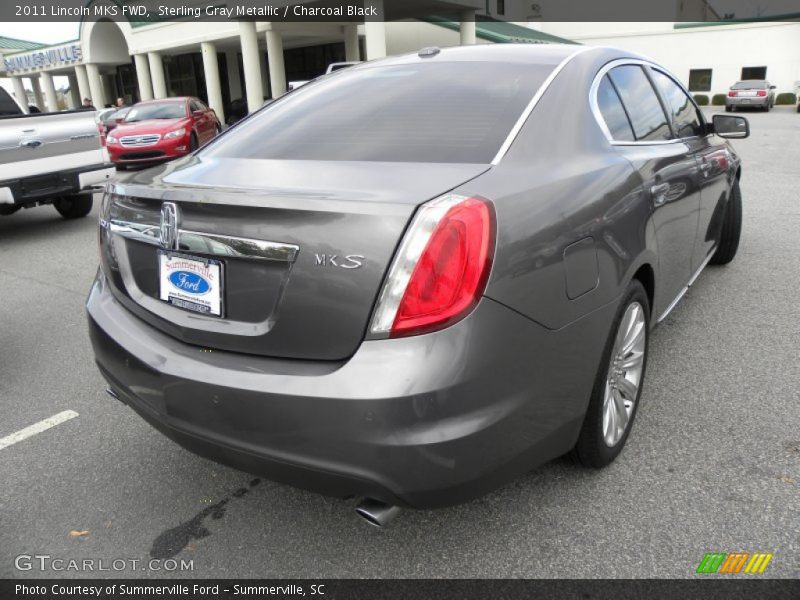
point(561, 183)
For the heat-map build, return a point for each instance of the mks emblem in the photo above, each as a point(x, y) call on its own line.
point(350, 261)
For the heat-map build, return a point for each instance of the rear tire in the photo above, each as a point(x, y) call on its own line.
point(74, 207)
point(728, 109)
point(731, 228)
point(618, 384)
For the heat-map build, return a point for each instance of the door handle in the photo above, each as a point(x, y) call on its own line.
point(659, 193)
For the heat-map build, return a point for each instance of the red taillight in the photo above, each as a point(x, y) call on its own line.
point(441, 268)
point(732, 94)
point(451, 273)
point(761, 93)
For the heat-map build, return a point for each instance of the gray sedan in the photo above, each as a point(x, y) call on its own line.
point(418, 278)
point(750, 93)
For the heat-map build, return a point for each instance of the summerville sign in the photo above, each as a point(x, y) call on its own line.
point(50, 57)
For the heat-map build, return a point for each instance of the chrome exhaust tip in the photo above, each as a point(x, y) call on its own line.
point(376, 513)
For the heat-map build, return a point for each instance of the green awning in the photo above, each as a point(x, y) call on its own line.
point(502, 32)
point(8, 43)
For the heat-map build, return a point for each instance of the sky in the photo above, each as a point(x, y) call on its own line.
point(45, 33)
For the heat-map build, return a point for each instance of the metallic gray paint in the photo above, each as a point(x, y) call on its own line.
point(296, 390)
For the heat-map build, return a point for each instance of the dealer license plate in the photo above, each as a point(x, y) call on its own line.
point(191, 283)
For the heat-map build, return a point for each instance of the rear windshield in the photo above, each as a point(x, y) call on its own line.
point(458, 112)
point(163, 110)
point(749, 85)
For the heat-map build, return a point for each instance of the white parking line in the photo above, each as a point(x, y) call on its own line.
point(39, 427)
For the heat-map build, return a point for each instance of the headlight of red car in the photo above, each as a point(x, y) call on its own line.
point(174, 134)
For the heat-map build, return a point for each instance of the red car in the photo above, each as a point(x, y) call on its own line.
point(160, 130)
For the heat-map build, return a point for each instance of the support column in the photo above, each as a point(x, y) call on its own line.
point(252, 70)
point(50, 97)
point(157, 74)
point(234, 80)
point(351, 52)
point(143, 77)
point(83, 82)
point(73, 99)
point(468, 36)
point(19, 93)
point(277, 69)
point(37, 94)
point(375, 33)
point(213, 85)
point(96, 86)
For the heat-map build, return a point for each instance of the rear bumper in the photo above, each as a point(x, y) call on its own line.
point(423, 421)
point(29, 190)
point(755, 101)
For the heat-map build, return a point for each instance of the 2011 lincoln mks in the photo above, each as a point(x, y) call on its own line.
point(415, 279)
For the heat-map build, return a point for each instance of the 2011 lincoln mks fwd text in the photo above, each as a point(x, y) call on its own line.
point(417, 278)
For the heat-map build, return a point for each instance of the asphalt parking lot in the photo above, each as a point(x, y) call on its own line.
point(713, 463)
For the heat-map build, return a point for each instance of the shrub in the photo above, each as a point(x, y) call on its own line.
point(701, 99)
point(718, 100)
point(786, 98)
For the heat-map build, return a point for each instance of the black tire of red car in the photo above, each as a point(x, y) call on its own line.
point(731, 228)
point(591, 449)
point(193, 145)
point(74, 207)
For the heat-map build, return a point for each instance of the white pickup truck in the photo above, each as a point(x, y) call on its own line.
point(293, 85)
point(50, 158)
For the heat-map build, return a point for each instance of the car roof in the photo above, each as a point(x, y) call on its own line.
point(518, 53)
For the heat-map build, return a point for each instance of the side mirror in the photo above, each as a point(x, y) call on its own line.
point(772, 87)
point(728, 126)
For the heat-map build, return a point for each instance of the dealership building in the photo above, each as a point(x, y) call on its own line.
point(221, 61)
point(708, 57)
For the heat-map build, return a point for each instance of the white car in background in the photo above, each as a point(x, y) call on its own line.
point(293, 85)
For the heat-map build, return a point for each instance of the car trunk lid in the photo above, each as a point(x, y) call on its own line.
point(343, 220)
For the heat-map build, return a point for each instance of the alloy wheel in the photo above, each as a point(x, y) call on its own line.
point(624, 373)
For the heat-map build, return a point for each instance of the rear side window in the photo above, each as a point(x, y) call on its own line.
point(456, 112)
point(639, 98)
point(7, 105)
point(685, 118)
point(613, 112)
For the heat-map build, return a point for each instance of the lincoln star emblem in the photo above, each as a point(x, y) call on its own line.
point(170, 219)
